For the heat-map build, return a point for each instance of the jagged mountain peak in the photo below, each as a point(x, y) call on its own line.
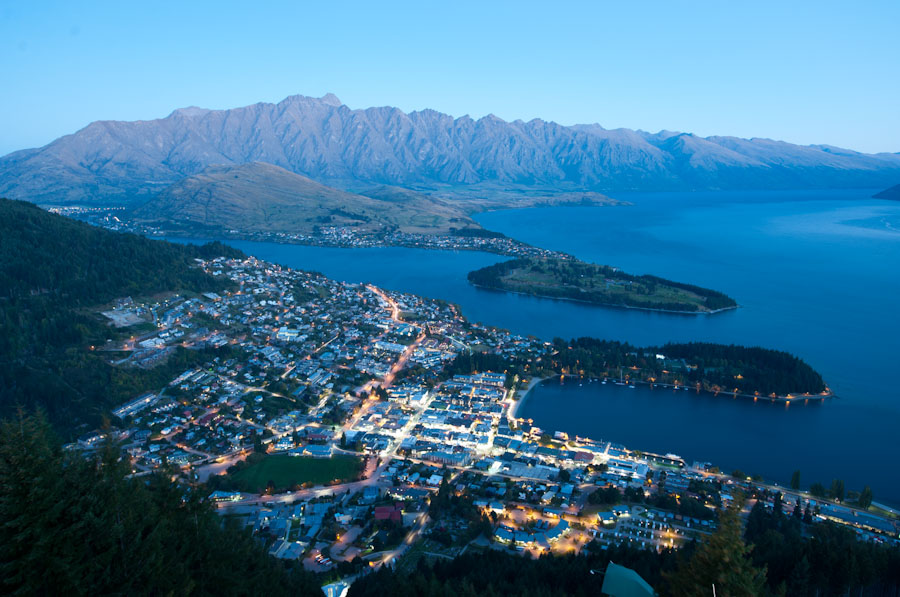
point(321, 138)
point(331, 99)
point(190, 112)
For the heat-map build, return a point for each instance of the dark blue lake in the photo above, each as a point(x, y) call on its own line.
point(815, 273)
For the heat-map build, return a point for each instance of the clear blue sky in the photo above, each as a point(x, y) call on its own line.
point(805, 72)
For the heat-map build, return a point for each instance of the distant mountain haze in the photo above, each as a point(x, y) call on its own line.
point(113, 162)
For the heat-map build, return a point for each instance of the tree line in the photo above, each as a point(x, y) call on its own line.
point(806, 558)
point(722, 366)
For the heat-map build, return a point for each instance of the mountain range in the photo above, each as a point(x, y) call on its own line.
point(127, 163)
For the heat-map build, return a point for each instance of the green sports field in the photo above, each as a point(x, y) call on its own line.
point(286, 471)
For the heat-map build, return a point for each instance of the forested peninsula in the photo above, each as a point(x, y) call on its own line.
point(742, 370)
point(571, 279)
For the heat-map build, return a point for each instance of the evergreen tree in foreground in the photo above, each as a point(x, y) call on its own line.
point(71, 525)
point(722, 562)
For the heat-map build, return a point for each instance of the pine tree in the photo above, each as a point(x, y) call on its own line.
point(722, 562)
point(798, 582)
point(72, 524)
point(837, 490)
point(865, 498)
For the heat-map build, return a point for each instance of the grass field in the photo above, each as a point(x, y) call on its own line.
point(286, 471)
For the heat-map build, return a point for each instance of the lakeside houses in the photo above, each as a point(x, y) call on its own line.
point(341, 236)
point(313, 368)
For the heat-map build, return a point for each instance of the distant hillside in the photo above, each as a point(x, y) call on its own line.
point(891, 193)
point(130, 162)
point(260, 197)
point(53, 273)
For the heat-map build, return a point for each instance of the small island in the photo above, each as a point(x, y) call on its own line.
point(571, 279)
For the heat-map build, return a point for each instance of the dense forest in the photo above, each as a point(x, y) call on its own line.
point(476, 233)
point(713, 366)
point(53, 271)
point(599, 284)
point(71, 525)
point(818, 559)
point(750, 369)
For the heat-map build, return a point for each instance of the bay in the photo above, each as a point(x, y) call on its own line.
point(815, 273)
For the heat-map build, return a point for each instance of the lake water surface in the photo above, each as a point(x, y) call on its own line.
point(815, 273)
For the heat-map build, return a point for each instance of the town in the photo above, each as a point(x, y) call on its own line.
point(338, 421)
point(329, 236)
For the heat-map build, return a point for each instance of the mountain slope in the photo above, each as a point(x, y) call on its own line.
point(260, 197)
point(54, 273)
point(891, 193)
point(120, 162)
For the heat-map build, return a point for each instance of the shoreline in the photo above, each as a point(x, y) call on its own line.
point(325, 245)
point(604, 305)
point(786, 399)
point(311, 241)
point(522, 395)
point(225, 237)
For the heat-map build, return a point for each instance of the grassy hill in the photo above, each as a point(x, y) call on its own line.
point(54, 272)
point(260, 197)
point(598, 284)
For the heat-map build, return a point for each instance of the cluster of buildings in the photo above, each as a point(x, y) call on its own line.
point(313, 368)
point(337, 236)
point(297, 354)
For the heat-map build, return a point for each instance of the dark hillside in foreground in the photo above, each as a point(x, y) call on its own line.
point(76, 525)
point(799, 559)
point(54, 257)
point(52, 271)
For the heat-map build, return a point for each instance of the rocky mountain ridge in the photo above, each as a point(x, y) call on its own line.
point(320, 138)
